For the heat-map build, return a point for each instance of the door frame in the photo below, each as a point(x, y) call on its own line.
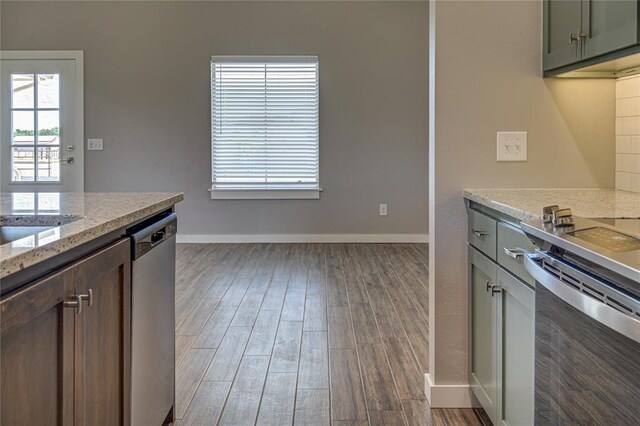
point(78, 57)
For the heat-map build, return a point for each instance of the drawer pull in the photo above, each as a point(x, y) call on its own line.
point(479, 234)
point(514, 253)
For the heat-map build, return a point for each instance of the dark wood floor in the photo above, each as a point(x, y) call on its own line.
point(304, 334)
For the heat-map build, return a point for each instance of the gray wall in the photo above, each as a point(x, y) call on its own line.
point(488, 78)
point(147, 95)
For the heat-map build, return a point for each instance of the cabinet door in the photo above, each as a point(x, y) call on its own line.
point(103, 337)
point(608, 25)
point(561, 18)
point(516, 307)
point(36, 354)
point(482, 331)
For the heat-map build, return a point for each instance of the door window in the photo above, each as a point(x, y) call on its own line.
point(35, 124)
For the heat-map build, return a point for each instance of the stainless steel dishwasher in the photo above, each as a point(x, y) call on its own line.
point(153, 320)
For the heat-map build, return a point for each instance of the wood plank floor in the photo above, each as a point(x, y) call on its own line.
point(304, 334)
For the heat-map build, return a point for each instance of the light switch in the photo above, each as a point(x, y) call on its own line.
point(94, 145)
point(512, 146)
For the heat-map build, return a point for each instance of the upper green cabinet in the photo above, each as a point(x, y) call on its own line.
point(580, 33)
point(608, 25)
point(562, 19)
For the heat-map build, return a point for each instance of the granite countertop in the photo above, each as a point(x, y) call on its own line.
point(527, 204)
point(76, 219)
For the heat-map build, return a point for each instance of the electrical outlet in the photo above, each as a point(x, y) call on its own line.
point(383, 209)
point(95, 145)
point(512, 146)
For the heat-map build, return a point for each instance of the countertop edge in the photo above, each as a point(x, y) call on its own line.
point(21, 261)
point(514, 212)
point(526, 204)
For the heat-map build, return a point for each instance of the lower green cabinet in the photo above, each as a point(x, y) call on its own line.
point(515, 351)
point(483, 339)
point(501, 342)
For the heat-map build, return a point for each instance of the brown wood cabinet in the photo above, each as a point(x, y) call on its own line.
point(64, 344)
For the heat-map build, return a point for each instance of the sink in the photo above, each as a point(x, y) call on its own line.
point(10, 233)
point(16, 227)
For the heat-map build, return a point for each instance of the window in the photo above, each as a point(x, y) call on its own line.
point(35, 124)
point(264, 127)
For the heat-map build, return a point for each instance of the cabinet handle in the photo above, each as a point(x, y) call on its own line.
point(514, 253)
point(573, 38)
point(495, 290)
point(75, 303)
point(489, 285)
point(88, 297)
point(479, 234)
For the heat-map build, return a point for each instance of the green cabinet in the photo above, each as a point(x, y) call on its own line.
point(562, 19)
point(501, 324)
point(515, 314)
point(608, 25)
point(483, 362)
point(577, 32)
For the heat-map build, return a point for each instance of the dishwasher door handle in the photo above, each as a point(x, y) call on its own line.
point(151, 236)
point(158, 236)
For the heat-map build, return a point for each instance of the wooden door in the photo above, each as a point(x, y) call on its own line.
point(36, 353)
point(483, 331)
point(103, 337)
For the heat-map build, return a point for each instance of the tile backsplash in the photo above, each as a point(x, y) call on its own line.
point(628, 133)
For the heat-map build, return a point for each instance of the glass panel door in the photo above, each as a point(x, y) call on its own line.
point(42, 140)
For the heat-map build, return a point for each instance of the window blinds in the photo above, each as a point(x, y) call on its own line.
point(264, 123)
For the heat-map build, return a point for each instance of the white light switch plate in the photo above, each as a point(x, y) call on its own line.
point(383, 209)
point(95, 145)
point(512, 146)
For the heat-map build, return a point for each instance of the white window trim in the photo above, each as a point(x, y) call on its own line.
point(274, 193)
point(78, 57)
point(265, 194)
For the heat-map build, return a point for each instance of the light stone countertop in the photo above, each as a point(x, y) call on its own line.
point(527, 204)
point(78, 218)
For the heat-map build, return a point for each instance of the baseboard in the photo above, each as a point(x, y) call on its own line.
point(449, 396)
point(303, 238)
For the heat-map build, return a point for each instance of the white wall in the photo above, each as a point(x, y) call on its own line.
point(628, 133)
point(147, 94)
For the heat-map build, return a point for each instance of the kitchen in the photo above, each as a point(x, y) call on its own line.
point(469, 70)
